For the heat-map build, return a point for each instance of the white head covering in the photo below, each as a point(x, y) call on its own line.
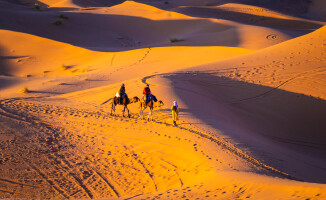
point(175, 103)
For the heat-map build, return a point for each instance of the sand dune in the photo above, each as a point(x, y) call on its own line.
point(250, 15)
point(25, 54)
point(74, 4)
point(301, 58)
point(250, 83)
point(28, 56)
point(78, 29)
point(67, 3)
point(287, 112)
point(131, 8)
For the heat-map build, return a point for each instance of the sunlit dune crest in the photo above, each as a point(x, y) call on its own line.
point(28, 54)
point(131, 8)
point(253, 10)
point(248, 84)
point(297, 65)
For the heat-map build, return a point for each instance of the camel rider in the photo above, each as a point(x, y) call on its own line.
point(122, 93)
point(147, 93)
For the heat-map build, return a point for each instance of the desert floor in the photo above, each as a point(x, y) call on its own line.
point(250, 81)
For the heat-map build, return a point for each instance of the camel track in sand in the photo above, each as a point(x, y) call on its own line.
point(271, 37)
point(63, 173)
point(66, 165)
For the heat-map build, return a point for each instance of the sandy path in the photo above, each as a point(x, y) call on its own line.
point(73, 153)
point(67, 152)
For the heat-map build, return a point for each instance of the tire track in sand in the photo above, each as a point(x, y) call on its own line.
point(77, 179)
point(115, 191)
point(55, 186)
point(219, 142)
point(22, 119)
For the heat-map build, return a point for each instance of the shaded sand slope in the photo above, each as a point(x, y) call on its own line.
point(277, 128)
point(305, 9)
point(66, 3)
point(247, 14)
point(316, 8)
point(82, 4)
point(38, 60)
point(79, 28)
point(262, 100)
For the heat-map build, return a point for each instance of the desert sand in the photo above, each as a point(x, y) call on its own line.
point(250, 81)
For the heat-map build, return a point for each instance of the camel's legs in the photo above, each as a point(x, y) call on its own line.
point(140, 109)
point(150, 114)
point(142, 112)
point(113, 108)
point(124, 109)
point(123, 112)
point(128, 111)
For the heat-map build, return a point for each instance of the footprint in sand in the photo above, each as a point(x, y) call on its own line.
point(271, 37)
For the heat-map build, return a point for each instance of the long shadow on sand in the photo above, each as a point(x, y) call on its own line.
point(5, 62)
point(97, 3)
point(105, 32)
point(81, 3)
point(247, 18)
point(284, 129)
point(108, 32)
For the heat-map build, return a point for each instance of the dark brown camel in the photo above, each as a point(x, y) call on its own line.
point(151, 105)
point(125, 102)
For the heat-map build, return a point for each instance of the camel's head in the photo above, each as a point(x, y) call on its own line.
point(160, 103)
point(134, 99)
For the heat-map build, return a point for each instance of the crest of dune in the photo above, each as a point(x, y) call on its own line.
point(131, 8)
point(32, 55)
point(299, 62)
point(73, 3)
point(252, 10)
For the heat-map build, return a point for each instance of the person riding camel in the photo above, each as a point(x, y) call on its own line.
point(122, 93)
point(147, 93)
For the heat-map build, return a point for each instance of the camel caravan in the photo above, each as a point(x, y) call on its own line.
point(148, 101)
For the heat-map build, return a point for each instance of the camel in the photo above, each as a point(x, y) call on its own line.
point(125, 102)
point(151, 105)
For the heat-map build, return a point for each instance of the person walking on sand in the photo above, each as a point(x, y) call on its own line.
point(175, 112)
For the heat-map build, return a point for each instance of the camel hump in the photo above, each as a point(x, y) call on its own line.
point(154, 98)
